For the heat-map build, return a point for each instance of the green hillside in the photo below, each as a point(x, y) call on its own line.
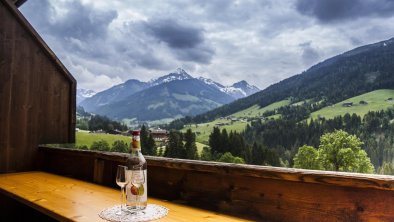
point(256, 111)
point(376, 100)
point(350, 74)
point(85, 138)
point(235, 122)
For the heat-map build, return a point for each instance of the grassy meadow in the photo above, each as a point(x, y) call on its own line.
point(377, 100)
point(86, 138)
point(256, 111)
point(203, 130)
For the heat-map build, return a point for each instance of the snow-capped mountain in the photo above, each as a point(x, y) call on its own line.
point(82, 94)
point(173, 95)
point(237, 90)
point(179, 74)
point(245, 88)
point(212, 83)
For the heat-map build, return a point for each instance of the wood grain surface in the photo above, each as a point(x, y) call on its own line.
point(68, 199)
point(265, 193)
point(37, 93)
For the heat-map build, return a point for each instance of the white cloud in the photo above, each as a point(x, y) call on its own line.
point(88, 80)
point(103, 43)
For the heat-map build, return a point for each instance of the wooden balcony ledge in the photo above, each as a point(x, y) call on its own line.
point(259, 192)
point(67, 199)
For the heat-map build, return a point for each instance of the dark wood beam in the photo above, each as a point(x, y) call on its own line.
point(18, 3)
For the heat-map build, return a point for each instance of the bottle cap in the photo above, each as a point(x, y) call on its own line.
point(135, 133)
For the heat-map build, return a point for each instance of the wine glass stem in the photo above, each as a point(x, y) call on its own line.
point(121, 198)
point(138, 201)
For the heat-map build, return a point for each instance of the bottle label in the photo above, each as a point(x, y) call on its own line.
point(136, 189)
point(135, 143)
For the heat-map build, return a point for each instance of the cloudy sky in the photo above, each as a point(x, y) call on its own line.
point(104, 43)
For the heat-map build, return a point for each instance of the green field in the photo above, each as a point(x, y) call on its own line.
point(377, 100)
point(256, 111)
point(203, 130)
point(85, 138)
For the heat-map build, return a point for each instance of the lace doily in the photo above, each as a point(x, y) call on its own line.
point(152, 212)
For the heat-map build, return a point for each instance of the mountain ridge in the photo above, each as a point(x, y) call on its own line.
point(102, 102)
point(354, 72)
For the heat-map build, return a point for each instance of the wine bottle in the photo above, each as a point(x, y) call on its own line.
point(136, 189)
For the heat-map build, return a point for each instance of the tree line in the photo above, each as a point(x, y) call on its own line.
point(86, 121)
point(285, 136)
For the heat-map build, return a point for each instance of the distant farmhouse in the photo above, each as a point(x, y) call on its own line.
point(159, 134)
point(349, 104)
point(362, 102)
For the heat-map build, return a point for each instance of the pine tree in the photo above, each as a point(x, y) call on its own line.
point(214, 140)
point(190, 145)
point(151, 145)
point(224, 141)
point(144, 134)
point(172, 145)
point(175, 148)
point(257, 154)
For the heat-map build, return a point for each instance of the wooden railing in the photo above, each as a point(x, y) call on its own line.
point(264, 193)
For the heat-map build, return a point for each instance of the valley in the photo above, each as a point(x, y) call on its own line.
point(352, 92)
point(373, 101)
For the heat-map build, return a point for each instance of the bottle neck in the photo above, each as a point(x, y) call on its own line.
point(135, 144)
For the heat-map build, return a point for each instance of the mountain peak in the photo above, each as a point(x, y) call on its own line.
point(245, 86)
point(178, 74)
point(241, 83)
point(181, 71)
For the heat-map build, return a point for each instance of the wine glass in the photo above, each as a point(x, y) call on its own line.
point(121, 180)
point(138, 180)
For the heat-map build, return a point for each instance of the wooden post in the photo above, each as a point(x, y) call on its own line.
point(98, 172)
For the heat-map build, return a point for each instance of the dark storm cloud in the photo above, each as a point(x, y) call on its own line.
point(80, 22)
point(83, 22)
point(201, 55)
point(81, 27)
point(335, 10)
point(105, 42)
point(174, 34)
point(186, 42)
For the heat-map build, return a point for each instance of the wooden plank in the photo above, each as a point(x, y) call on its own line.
point(35, 93)
point(5, 89)
point(68, 199)
point(383, 182)
point(38, 40)
point(98, 176)
point(267, 193)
